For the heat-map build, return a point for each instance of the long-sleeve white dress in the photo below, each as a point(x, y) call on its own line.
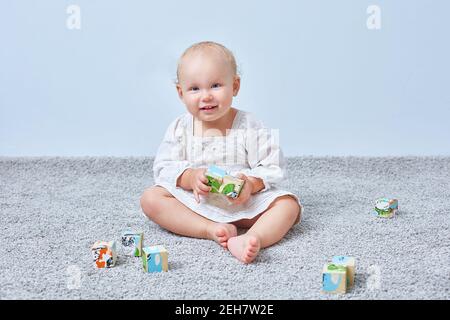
point(249, 148)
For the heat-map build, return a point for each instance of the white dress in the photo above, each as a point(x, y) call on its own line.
point(249, 148)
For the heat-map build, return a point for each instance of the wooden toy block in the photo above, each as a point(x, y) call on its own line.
point(386, 208)
point(104, 254)
point(154, 259)
point(221, 182)
point(132, 242)
point(348, 262)
point(334, 278)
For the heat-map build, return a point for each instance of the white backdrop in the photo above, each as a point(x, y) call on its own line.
point(357, 77)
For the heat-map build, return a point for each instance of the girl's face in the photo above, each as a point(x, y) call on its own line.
point(207, 85)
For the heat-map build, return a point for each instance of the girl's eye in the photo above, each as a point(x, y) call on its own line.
point(216, 85)
point(193, 88)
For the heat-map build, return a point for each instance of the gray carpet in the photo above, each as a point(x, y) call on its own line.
point(53, 209)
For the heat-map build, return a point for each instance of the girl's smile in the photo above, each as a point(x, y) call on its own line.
point(208, 109)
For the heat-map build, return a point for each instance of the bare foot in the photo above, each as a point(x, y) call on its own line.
point(244, 247)
point(221, 232)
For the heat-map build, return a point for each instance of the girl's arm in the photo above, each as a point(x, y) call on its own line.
point(170, 161)
point(184, 180)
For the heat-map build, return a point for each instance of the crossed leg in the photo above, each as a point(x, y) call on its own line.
point(265, 229)
point(164, 209)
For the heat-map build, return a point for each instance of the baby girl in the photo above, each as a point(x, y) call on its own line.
point(213, 132)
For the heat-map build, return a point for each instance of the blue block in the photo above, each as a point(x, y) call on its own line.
point(155, 259)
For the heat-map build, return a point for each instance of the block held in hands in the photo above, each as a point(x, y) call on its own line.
point(221, 182)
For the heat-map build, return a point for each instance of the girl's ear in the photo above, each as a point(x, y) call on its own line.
point(236, 85)
point(179, 90)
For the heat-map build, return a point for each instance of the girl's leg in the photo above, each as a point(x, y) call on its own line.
point(248, 223)
point(164, 209)
point(269, 228)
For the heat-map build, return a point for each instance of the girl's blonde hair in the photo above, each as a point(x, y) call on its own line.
point(209, 45)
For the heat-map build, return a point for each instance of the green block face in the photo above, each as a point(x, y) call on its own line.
point(214, 184)
point(228, 188)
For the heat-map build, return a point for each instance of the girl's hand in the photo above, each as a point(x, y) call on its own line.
point(246, 191)
point(199, 183)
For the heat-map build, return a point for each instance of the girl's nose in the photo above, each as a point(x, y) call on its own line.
point(206, 96)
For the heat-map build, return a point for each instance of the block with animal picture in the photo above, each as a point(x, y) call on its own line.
point(132, 242)
point(104, 254)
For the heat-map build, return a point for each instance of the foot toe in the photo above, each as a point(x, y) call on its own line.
point(252, 250)
point(247, 259)
point(253, 242)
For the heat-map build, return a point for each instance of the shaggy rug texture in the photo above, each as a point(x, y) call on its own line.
point(53, 209)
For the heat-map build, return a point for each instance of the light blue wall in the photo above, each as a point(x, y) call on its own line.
point(311, 68)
